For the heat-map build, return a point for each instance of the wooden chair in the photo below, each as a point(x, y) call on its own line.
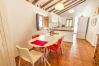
point(31, 57)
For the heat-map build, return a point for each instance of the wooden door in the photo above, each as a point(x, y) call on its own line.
point(46, 21)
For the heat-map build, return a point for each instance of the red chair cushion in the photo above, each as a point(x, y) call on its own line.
point(35, 36)
point(39, 42)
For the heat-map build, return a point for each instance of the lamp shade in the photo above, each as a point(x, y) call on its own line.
point(59, 6)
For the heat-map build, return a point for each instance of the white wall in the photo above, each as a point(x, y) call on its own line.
point(21, 19)
point(7, 47)
point(54, 17)
point(63, 20)
point(53, 20)
point(60, 20)
point(98, 24)
point(87, 9)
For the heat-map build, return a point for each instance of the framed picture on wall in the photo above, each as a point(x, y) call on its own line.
point(93, 21)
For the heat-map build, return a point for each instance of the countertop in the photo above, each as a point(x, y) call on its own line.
point(64, 29)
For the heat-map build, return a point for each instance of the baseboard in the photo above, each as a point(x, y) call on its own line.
point(90, 43)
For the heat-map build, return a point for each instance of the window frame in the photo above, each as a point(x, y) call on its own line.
point(38, 22)
point(69, 25)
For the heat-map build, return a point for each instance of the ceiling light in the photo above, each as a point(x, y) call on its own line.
point(59, 6)
point(71, 11)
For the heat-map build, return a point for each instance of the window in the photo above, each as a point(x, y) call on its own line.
point(39, 21)
point(69, 22)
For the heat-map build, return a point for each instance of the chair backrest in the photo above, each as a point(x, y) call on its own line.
point(24, 53)
point(35, 36)
point(59, 42)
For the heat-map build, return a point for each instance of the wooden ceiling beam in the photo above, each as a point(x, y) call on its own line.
point(66, 1)
point(70, 3)
point(63, 3)
point(53, 4)
point(67, 5)
point(51, 10)
point(55, 11)
point(48, 2)
point(35, 1)
point(27, 0)
point(70, 7)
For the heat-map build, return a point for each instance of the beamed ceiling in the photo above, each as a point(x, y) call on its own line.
point(49, 5)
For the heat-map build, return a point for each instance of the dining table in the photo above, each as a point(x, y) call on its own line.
point(45, 40)
point(48, 38)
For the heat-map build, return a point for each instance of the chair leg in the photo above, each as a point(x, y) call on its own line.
point(32, 64)
point(61, 50)
point(19, 61)
point(31, 48)
point(42, 59)
point(57, 56)
point(46, 61)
